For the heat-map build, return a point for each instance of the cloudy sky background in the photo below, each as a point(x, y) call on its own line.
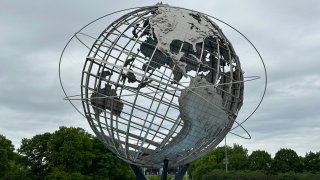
point(286, 33)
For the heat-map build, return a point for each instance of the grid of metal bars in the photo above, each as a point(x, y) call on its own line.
point(149, 118)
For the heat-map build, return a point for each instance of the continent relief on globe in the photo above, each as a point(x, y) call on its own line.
point(183, 41)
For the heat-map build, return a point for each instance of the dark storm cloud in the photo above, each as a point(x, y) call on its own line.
point(286, 33)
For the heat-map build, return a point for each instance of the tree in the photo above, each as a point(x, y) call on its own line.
point(36, 155)
point(238, 158)
point(105, 165)
point(204, 164)
point(18, 169)
point(259, 160)
point(220, 155)
point(71, 153)
point(6, 155)
point(11, 166)
point(286, 160)
point(312, 162)
point(237, 155)
point(58, 173)
point(76, 154)
point(70, 150)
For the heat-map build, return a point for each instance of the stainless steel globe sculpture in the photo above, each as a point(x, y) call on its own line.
point(159, 83)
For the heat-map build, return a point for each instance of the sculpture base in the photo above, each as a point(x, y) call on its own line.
point(179, 176)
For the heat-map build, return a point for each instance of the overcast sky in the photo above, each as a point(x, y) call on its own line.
point(286, 33)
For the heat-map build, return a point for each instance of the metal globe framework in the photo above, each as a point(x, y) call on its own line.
point(149, 96)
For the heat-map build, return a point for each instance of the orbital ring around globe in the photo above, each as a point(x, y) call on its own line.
point(150, 85)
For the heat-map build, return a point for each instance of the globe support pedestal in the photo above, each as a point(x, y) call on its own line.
point(165, 170)
point(182, 171)
point(137, 172)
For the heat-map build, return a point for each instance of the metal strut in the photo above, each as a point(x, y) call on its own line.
point(137, 172)
point(165, 170)
point(182, 171)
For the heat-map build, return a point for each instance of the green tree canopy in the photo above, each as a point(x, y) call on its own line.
point(6, 154)
point(312, 162)
point(238, 158)
point(204, 164)
point(286, 160)
point(237, 155)
point(105, 165)
point(71, 150)
point(75, 151)
point(220, 155)
point(36, 154)
point(71, 153)
point(11, 164)
point(259, 160)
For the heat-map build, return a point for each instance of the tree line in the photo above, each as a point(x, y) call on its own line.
point(72, 153)
point(68, 153)
point(259, 163)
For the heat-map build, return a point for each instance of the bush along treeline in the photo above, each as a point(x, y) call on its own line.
point(72, 153)
point(286, 164)
point(68, 153)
